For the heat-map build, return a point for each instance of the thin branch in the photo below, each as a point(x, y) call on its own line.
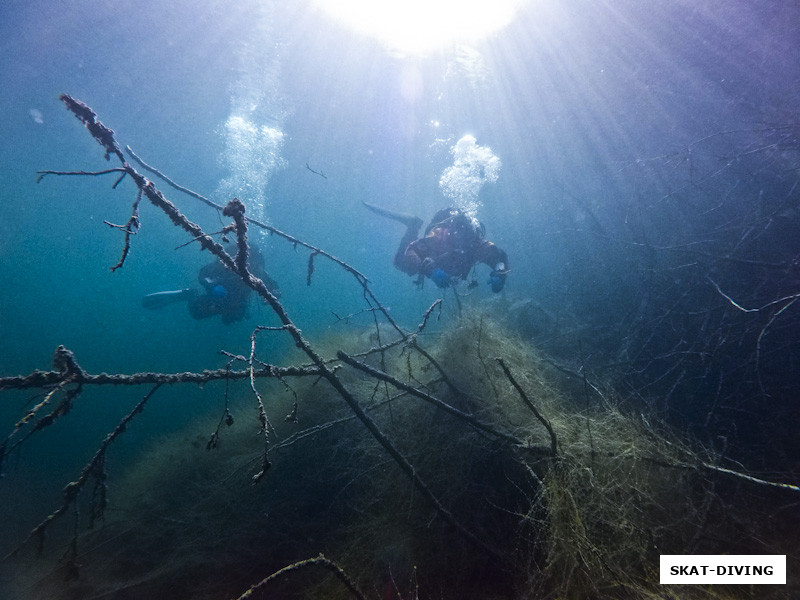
point(262, 412)
point(310, 267)
point(529, 404)
point(582, 376)
point(414, 343)
point(427, 315)
point(74, 487)
point(130, 228)
point(320, 173)
point(716, 469)
point(785, 486)
point(226, 418)
point(731, 300)
point(309, 562)
point(476, 423)
point(764, 331)
point(43, 174)
point(347, 318)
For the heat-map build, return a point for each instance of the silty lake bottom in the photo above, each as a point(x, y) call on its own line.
point(631, 391)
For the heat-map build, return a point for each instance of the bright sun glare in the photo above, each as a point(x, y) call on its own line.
point(420, 26)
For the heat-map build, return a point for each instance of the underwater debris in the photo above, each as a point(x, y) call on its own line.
point(319, 173)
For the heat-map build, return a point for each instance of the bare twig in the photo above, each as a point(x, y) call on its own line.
point(226, 418)
point(310, 266)
point(43, 174)
point(130, 228)
point(346, 318)
point(483, 361)
point(580, 375)
point(529, 404)
point(473, 421)
point(746, 477)
point(302, 564)
point(262, 412)
point(725, 471)
point(320, 173)
point(427, 315)
point(73, 488)
point(791, 297)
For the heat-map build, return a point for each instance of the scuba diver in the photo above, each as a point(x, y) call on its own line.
point(453, 243)
point(224, 293)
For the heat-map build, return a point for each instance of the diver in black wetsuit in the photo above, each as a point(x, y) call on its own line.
point(453, 243)
point(224, 293)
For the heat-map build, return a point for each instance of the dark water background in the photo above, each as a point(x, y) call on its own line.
point(649, 150)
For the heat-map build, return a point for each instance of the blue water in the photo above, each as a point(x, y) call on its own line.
point(614, 131)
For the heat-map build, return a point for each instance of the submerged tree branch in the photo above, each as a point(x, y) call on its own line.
point(46, 379)
point(238, 264)
point(360, 277)
point(302, 564)
point(529, 404)
point(72, 489)
point(409, 389)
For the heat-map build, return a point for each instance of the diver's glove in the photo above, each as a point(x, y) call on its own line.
point(497, 282)
point(218, 291)
point(440, 278)
point(497, 278)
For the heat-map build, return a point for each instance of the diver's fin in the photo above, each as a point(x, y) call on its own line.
point(159, 299)
point(409, 221)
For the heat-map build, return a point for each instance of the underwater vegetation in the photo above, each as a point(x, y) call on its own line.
point(188, 522)
point(452, 460)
